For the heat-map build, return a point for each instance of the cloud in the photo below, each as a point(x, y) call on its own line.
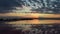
point(7, 5)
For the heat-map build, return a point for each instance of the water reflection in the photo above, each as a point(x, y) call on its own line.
point(35, 21)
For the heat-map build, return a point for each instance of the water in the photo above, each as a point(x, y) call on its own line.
point(35, 21)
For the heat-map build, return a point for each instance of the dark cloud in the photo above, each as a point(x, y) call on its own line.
point(7, 5)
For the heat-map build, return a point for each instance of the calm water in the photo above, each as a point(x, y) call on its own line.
point(35, 21)
point(18, 26)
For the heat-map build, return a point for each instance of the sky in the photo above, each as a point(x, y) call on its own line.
point(7, 6)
